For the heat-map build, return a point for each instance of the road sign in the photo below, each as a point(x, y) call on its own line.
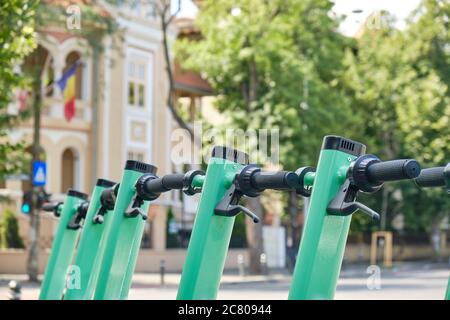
point(39, 173)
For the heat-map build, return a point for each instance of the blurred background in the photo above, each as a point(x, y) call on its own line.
point(86, 85)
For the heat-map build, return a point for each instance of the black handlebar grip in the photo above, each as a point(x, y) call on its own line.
point(431, 177)
point(393, 170)
point(279, 180)
point(165, 183)
point(173, 181)
point(155, 186)
point(49, 206)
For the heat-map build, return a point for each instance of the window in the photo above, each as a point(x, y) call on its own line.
point(136, 83)
point(69, 170)
point(139, 8)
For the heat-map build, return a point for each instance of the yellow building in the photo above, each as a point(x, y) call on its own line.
point(121, 116)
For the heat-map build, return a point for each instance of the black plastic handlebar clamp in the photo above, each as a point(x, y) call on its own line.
point(303, 189)
point(188, 178)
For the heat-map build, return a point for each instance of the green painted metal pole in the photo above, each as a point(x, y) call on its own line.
point(211, 233)
point(447, 293)
point(324, 237)
point(436, 177)
point(62, 249)
point(88, 248)
point(124, 237)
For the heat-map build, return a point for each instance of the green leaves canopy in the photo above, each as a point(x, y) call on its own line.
point(277, 61)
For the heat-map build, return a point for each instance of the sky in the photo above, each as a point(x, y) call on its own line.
point(399, 8)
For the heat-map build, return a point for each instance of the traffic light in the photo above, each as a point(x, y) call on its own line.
point(26, 202)
point(42, 197)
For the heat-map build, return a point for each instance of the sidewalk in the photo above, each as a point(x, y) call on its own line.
point(403, 281)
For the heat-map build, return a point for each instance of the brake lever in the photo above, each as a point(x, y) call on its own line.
point(229, 205)
point(344, 203)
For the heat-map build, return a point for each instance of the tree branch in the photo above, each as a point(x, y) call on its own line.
point(170, 95)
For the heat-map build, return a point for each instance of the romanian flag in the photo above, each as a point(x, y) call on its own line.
point(67, 85)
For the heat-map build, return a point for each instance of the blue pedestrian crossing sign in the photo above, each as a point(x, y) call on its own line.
point(39, 173)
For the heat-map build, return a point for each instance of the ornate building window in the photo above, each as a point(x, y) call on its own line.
point(137, 83)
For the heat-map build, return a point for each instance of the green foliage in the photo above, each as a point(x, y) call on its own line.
point(283, 63)
point(9, 231)
point(238, 237)
point(95, 21)
point(17, 39)
point(399, 81)
point(278, 61)
point(173, 240)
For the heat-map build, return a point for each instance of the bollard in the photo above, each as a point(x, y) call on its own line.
point(241, 265)
point(162, 271)
point(263, 262)
point(15, 290)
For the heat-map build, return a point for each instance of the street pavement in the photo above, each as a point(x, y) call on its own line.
point(408, 281)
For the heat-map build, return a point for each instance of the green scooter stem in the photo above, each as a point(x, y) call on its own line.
point(436, 177)
point(88, 253)
point(211, 233)
point(324, 237)
point(190, 183)
point(447, 293)
point(124, 237)
point(62, 249)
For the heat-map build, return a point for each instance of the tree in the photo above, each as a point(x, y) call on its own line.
point(400, 83)
point(280, 62)
point(9, 231)
point(17, 39)
point(166, 17)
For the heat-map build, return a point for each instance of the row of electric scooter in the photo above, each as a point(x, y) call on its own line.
point(97, 242)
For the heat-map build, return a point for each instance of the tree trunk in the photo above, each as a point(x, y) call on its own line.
point(254, 236)
point(171, 90)
point(293, 211)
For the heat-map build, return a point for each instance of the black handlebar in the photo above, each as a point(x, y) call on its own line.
point(149, 187)
point(368, 172)
point(393, 170)
point(50, 206)
point(165, 183)
point(433, 177)
point(252, 181)
point(279, 180)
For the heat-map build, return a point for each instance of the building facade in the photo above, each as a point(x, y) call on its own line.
point(121, 114)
